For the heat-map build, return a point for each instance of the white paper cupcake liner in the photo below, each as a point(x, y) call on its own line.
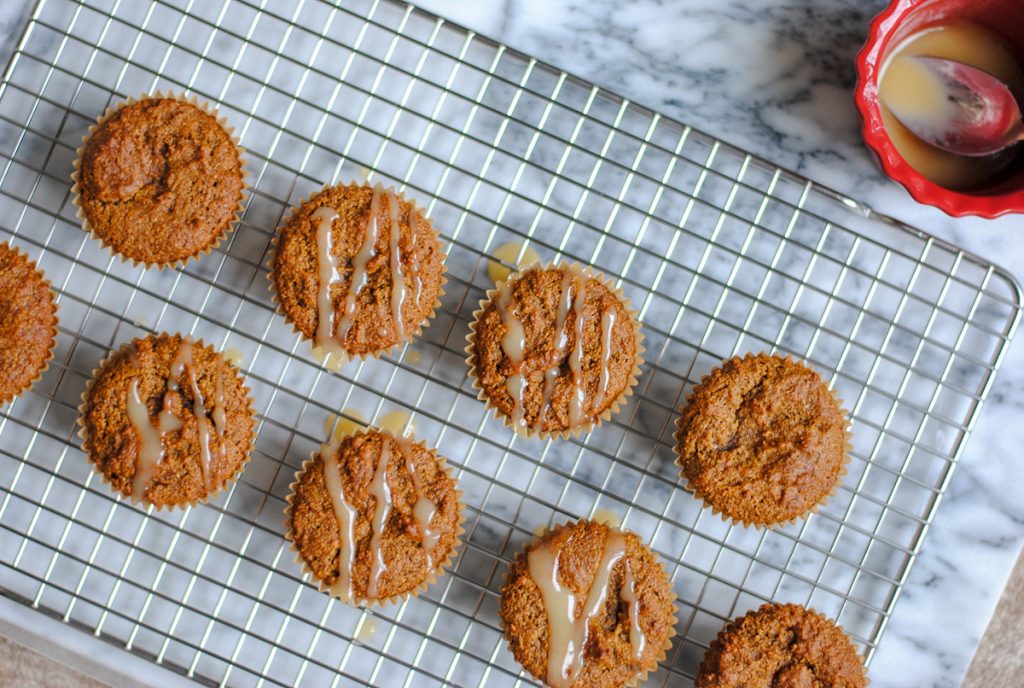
point(586, 426)
point(439, 569)
point(83, 431)
point(408, 336)
point(641, 675)
point(76, 189)
point(690, 487)
point(53, 330)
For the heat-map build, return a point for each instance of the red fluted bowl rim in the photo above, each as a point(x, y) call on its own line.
point(893, 165)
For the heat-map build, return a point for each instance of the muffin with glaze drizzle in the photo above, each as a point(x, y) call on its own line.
point(588, 605)
point(357, 270)
point(762, 440)
point(782, 646)
point(159, 180)
point(28, 322)
point(554, 350)
point(374, 516)
point(167, 421)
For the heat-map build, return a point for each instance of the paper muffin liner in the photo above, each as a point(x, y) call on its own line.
point(52, 350)
point(83, 431)
point(243, 167)
point(733, 625)
point(408, 336)
point(438, 569)
point(589, 425)
point(844, 462)
point(642, 674)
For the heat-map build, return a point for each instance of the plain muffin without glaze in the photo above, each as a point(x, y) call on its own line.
point(638, 597)
point(548, 382)
point(28, 322)
point(762, 440)
point(159, 181)
point(782, 646)
point(403, 556)
point(362, 314)
point(204, 439)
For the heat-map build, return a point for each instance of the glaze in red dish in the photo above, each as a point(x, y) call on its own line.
point(1005, 194)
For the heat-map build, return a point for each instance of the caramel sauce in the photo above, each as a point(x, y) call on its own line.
point(904, 82)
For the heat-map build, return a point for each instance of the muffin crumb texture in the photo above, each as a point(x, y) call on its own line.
point(762, 439)
point(397, 501)
point(554, 349)
point(782, 646)
point(28, 322)
point(160, 180)
point(358, 269)
point(167, 421)
point(565, 571)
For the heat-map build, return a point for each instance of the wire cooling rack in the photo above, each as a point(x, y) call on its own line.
point(721, 252)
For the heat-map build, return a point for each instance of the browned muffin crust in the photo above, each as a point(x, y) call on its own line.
point(534, 301)
point(314, 528)
point(112, 443)
point(28, 322)
point(762, 439)
point(608, 659)
point(160, 180)
point(782, 646)
point(296, 268)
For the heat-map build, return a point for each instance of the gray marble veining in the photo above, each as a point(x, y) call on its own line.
point(776, 80)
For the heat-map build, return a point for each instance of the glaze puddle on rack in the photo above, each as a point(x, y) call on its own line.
point(721, 253)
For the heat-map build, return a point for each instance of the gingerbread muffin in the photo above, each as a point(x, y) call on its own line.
point(782, 646)
point(358, 270)
point(159, 180)
point(554, 350)
point(167, 421)
point(762, 440)
point(374, 517)
point(28, 322)
point(588, 605)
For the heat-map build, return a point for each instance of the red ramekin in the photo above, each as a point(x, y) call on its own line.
point(1005, 194)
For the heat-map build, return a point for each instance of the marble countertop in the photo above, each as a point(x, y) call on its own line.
point(775, 77)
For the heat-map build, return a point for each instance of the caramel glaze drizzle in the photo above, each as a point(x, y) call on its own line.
point(572, 297)
point(423, 512)
point(151, 437)
point(331, 334)
point(569, 633)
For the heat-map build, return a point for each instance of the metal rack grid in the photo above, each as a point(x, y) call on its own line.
point(721, 252)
